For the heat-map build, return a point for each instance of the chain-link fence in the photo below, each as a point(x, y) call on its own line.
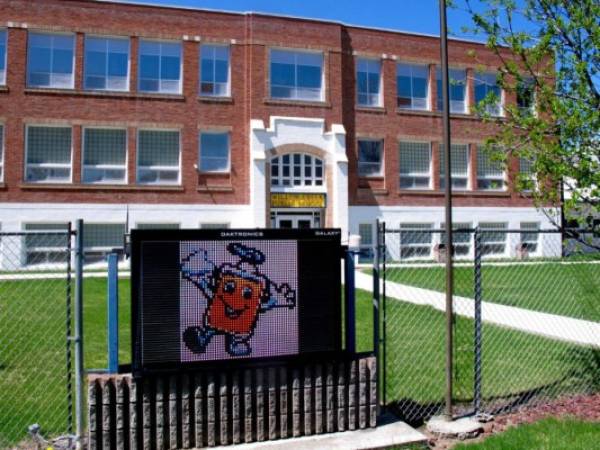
point(36, 370)
point(526, 317)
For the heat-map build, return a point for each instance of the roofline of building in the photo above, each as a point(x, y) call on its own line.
point(150, 4)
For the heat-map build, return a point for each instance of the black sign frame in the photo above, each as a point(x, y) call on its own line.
point(330, 237)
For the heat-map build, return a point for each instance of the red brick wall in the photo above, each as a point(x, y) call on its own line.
point(250, 36)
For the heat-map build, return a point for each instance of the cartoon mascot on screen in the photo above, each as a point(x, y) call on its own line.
point(235, 294)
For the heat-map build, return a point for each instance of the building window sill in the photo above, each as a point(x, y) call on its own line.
point(112, 94)
point(370, 109)
point(284, 102)
point(100, 187)
point(4, 89)
point(215, 99)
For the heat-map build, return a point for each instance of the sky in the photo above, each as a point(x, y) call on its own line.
point(420, 16)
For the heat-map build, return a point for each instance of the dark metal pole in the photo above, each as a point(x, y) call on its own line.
point(113, 313)
point(478, 324)
point(79, 332)
point(350, 291)
point(448, 198)
point(376, 310)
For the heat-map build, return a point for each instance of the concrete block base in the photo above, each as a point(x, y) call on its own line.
point(463, 428)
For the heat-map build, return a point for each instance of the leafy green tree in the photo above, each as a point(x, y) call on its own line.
point(549, 53)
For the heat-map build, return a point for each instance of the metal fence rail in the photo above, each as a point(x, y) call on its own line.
point(526, 317)
point(36, 324)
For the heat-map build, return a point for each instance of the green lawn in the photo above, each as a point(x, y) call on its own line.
point(547, 434)
point(514, 363)
point(567, 289)
point(32, 380)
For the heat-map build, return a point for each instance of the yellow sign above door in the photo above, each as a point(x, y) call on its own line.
point(286, 200)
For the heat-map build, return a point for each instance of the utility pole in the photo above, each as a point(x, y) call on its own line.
point(448, 202)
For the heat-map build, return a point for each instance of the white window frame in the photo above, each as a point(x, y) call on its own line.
point(369, 61)
point(3, 73)
point(199, 165)
point(439, 99)
point(160, 91)
point(213, 94)
point(455, 227)
point(48, 165)
point(531, 176)
point(501, 178)
point(26, 250)
point(415, 174)
point(535, 231)
point(51, 86)
point(128, 81)
point(504, 243)
point(295, 98)
point(452, 176)
point(532, 110)
point(158, 168)
point(100, 248)
point(280, 187)
point(484, 78)
point(104, 166)
point(381, 157)
point(410, 227)
point(412, 97)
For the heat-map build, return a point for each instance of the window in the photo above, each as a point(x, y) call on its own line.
point(459, 160)
point(48, 154)
point(214, 152)
point(529, 241)
point(413, 82)
point(50, 60)
point(365, 231)
point(213, 226)
point(527, 178)
point(1, 152)
point(296, 169)
point(415, 243)
point(415, 165)
point(487, 84)
point(48, 248)
point(526, 96)
point(368, 82)
point(106, 63)
point(296, 75)
point(104, 155)
point(157, 226)
point(158, 157)
point(370, 154)
point(100, 239)
point(214, 70)
point(461, 240)
point(160, 67)
point(458, 90)
point(490, 174)
point(493, 242)
point(3, 38)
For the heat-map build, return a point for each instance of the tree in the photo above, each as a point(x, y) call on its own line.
point(549, 57)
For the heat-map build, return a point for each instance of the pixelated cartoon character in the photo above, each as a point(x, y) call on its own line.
point(236, 294)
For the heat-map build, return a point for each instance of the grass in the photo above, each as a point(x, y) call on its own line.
point(33, 313)
point(566, 289)
point(547, 434)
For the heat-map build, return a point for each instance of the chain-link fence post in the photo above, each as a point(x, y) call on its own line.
point(478, 322)
point(79, 331)
point(68, 330)
point(376, 308)
point(384, 349)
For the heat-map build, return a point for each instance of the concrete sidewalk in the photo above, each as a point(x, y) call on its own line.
point(562, 328)
point(390, 433)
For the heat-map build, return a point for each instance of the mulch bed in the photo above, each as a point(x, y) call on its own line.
point(582, 407)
